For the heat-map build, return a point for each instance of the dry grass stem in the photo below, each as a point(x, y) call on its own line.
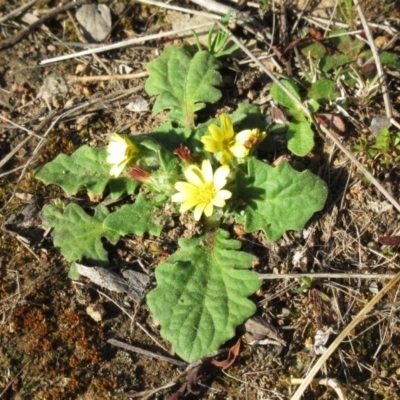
point(147, 353)
point(123, 44)
point(325, 275)
point(120, 77)
point(17, 11)
point(357, 319)
point(333, 383)
point(26, 31)
point(182, 9)
point(381, 74)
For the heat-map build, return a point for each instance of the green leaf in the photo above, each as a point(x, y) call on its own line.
point(73, 272)
point(383, 141)
point(77, 234)
point(330, 63)
point(169, 136)
point(137, 218)
point(202, 294)
point(316, 49)
point(85, 167)
point(313, 105)
point(323, 89)
point(282, 98)
point(345, 43)
point(278, 199)
point(300, 138)
point(388, 59)
point(120, 186)
point(183, 82)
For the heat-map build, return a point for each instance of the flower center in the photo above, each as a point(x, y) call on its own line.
point(228, 143)
point(207, 193)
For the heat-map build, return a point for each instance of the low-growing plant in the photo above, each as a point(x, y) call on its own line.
point(217, 42)
point(308, 284)
point(210, 170)
point(336, 72)
point(386, 147)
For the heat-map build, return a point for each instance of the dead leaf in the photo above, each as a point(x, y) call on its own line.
point(191, 381)
point(257, 329)
point(111, 280)
point(390, 240)
point(232, 355)
point(95, 20)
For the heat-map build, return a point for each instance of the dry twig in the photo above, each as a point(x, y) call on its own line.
point(360, 316)
point(17, 11)
point(381, 74)
point(26, 31)
point(333, 383)
point(122, 44)
point(326, 275)
point(138, 350)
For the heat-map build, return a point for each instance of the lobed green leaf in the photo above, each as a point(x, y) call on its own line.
point(278, 199)
point(137, 218)
point(184, 82)
point(77, 234)
point(85, 167)
point(202, 294)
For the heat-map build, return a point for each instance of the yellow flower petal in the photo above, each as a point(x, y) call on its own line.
point(188, 204)
point(207, 171)
point(211, 145)
point(216, 133)
point(202, 191)
point(243, 136)
point(250, 137)
point(186, 187)
point(194, 175)
point(225, 194)
point(218, 202)
point(180, 197)
point(199, 210)
point(239, 150)
point(227, 126)
point(120, 151)
point(117, 169)
point(208, 210)
point(225, 157)
point(220, 176)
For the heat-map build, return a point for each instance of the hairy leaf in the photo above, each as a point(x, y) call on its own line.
point(184, 82)
point(77, 234)
point(282, 98)
point(300, 138)
point(278, 199)
point(138, 218)
point(202, 294)
point(323, 89)
point(86, 167)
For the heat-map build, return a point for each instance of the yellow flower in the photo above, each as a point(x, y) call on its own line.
point(223, 142)
point(120, 151)
point(202, 189)
point(250, 137)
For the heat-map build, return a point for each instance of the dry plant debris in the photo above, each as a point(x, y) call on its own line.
point(62, 339)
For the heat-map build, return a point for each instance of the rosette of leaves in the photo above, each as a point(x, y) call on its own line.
point(203, 289)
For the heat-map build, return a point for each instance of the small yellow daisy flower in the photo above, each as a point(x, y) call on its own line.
point(250, 137)
point(223, 142)
point(202, 189)
point(120, 150)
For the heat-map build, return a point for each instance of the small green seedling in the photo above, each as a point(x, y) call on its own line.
point(217, 42)
point(386, 147)
point(307, 284)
